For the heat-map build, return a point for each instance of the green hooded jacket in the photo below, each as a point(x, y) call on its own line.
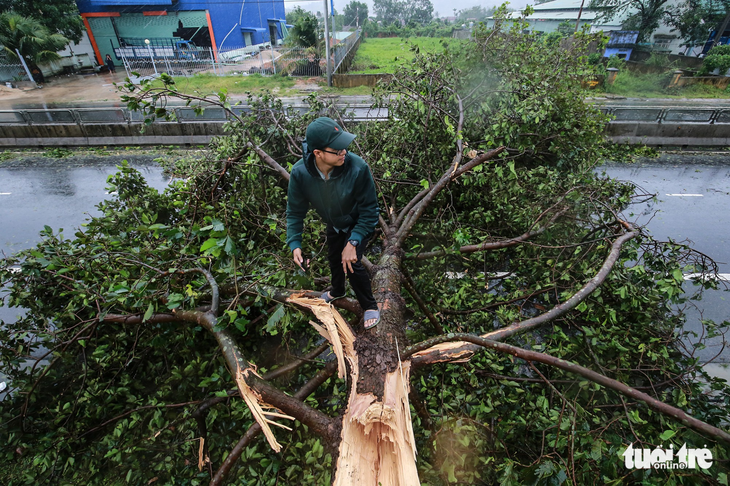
point(346, 200)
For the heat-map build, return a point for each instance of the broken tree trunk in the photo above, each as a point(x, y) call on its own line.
point(377, 445)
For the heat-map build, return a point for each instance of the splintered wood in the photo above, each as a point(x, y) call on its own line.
point(377, 444)
point(452, 352)
point(255, 404)
point(335, 330)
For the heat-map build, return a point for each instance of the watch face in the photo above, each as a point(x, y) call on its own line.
point(354, 242)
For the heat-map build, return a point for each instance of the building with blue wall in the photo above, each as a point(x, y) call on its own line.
point(219, 25)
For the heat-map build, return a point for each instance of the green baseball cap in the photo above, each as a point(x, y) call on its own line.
point(325, 132)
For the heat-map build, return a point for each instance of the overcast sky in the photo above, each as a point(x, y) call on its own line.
point(443, 8)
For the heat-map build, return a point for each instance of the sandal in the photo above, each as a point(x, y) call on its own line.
point(329, 298)
point(369, 315)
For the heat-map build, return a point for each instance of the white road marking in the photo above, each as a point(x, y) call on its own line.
point(4, 193)
point(686, 195)
point(724, 277)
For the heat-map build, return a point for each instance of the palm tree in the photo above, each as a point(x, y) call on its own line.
point(29, 37)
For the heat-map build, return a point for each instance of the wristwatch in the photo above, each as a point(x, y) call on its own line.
point(353, 243)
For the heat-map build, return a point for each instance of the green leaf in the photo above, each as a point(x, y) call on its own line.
point(275, 318)
point(148, 313)
point(209, 243)
point(668, 434)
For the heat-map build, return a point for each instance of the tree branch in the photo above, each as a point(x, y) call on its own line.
point(269, 160)
point(417, 210)
point(410, 286)
point(237, 364)
point(255, 429)
point(461, 352)
point(491, 245)
point(661, 407)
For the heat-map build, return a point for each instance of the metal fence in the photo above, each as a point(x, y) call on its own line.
point(343, 49)
point(183, 59)
point(11, 71)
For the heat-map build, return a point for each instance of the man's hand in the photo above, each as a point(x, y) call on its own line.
point(349, 256)
point(299, 260)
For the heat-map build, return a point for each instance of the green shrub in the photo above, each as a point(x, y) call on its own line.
point(616, 62)
point(659, 60)
point(595, 58)
point(718, 58)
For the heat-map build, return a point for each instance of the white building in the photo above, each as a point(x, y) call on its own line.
point(548, 16)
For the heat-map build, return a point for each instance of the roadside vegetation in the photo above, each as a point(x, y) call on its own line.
point(386, 55)
point(634, 85)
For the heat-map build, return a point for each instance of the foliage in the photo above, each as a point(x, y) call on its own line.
point(403, 12)
point(659, 60)
point(57, 16)
point(34, 41)
point(595, 58)
point(477, 13)
point(305, 30)
point(355, 13)
point(695, 19)
point(566, 27)
point(432, 29)
point(654, 85)
point(616, 62)
point(58, 153)
point(630, 84)
point(642, 15)
point(718, 58)
point(135, 394)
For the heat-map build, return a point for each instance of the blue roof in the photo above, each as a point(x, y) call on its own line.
point(114, 3)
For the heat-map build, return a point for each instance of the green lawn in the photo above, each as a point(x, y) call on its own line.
point(236, 85)
point(654, 86)
point(384, 55)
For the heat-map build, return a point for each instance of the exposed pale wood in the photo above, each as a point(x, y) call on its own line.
point(253, 400)
point(377, 444)
point(337, 329)
point(281, 415)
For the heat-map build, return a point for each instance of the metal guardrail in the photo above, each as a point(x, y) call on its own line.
point(88, 116)
point(91, 116)
point(660, 115)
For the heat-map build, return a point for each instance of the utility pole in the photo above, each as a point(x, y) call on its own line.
point(327, 44)
point(721, 31)
point(580, 12)
point(25, 66)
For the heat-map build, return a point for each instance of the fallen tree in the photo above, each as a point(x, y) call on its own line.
point(175, 329)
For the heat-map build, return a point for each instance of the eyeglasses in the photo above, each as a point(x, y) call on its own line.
point(337, 152)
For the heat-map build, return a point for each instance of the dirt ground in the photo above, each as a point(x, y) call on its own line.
point(83, 90)
point(71, 89)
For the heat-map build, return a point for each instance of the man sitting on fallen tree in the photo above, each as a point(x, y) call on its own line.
point(339, 186)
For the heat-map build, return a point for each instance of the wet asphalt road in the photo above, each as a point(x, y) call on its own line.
point(60, 193)
point(693, 202)
point(40, 191)
point(693, 194)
